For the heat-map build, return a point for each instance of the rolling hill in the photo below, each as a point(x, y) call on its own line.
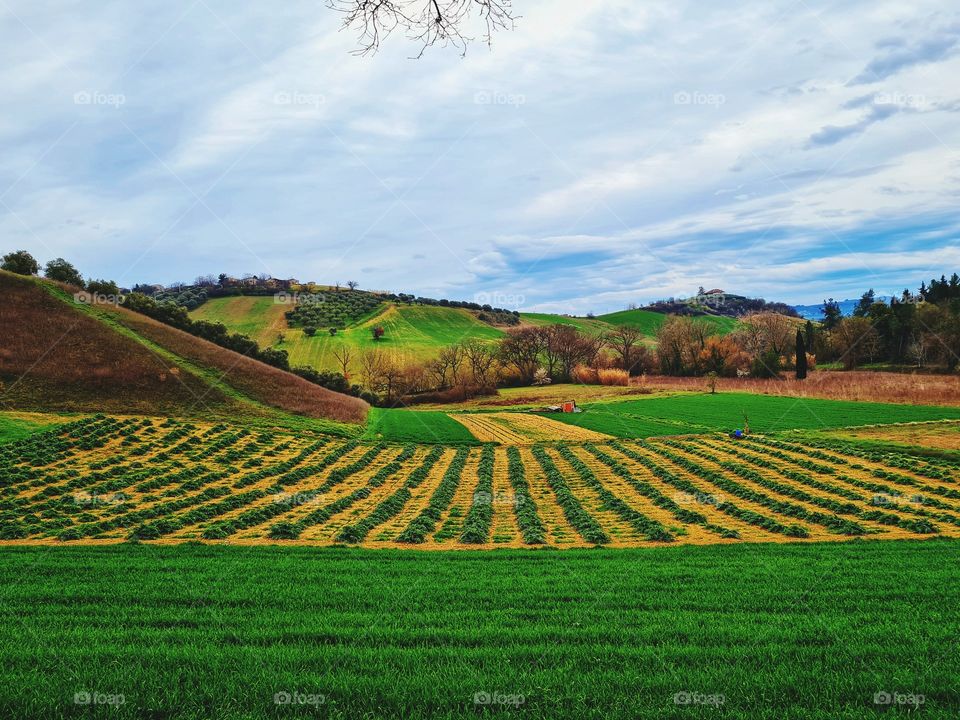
point(414, 331)
point(60, 354)
point(648, 322)
point(410, 330)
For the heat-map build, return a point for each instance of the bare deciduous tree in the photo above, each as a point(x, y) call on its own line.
point(427, 22)
point(521, 349)
point(625, 341)
point(344, 355)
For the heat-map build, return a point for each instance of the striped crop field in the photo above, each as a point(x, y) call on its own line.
point(512, 428)
point(104, 479)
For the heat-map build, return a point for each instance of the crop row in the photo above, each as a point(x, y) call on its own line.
point(750, 517)
point(576, 515)
point(788, 509)
point(392, 506)
point(528, 519)
point(651, 529)
point(424, 523)
point(476, 528)
point(658, 498)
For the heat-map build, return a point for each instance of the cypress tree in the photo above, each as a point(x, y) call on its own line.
point(801, 356)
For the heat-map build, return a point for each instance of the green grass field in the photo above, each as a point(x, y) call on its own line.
point(591, 326)
point(649, 322)
point(14, 426)
point(774, 631)
point(413, 331)
point(676, 414)
point(699, 412)
point(416, 426)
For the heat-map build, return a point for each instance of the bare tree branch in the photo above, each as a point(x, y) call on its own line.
point(428, 22)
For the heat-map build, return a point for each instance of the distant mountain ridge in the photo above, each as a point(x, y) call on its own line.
point(815, 312)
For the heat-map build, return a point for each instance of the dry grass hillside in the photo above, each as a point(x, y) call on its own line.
point(56, 354)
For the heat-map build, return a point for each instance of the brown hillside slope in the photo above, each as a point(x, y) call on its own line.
point(54, 357)
point(262, 382)
point(58, 354)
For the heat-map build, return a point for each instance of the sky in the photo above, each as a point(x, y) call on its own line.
point(604, 153)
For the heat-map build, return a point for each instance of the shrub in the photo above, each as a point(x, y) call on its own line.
point(613, 376)
point(284, 530)
point(585, 375)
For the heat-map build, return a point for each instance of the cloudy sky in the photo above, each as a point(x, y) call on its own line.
point(606, 152)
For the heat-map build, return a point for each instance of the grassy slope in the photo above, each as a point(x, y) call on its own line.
point(397, 425)
point(257, 317)
point(410, 330)
point(649, 322)
point(592, 326)
point(700, 412)
point(65, 355)
point(56, 354)
point(781, 631)
point(15, 426)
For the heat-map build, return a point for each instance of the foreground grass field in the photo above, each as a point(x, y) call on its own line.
point(775, 631)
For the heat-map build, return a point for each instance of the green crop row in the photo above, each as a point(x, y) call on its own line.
point(651, 529)
point(725, 506)
point(424, 523)
point(392, 506)
point(476, 526)
point(658, 498)
point(579, 518)
point(531, 527)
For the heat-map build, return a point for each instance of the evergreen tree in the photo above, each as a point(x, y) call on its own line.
point(801, 356)
point(832, 314)
point(866, 302)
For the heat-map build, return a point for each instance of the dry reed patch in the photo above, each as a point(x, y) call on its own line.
point(858, 385)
